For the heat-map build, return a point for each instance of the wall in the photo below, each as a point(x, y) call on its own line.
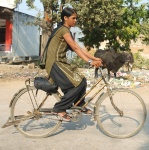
point(25, 38)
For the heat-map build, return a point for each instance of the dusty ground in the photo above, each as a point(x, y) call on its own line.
point(83, 135)
point(19, 72)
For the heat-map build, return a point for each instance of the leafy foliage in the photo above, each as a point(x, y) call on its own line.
point(145, 28)
point(95, 17)
point(116, 21)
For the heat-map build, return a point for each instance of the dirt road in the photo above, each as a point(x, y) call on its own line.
point(83, 135)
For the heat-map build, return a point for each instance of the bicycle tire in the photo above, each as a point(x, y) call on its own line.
point(40, 127)
point(114, 125)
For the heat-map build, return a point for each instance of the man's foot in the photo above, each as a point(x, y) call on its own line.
point(63, 116)
point(87, 111)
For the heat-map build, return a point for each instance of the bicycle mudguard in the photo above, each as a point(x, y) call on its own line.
point(43, 84)
point(14, 96)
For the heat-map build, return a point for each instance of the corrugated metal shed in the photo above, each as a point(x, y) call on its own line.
point(25, 38)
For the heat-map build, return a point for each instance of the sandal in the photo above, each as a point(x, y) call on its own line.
point(63, 117)
point(87, 111)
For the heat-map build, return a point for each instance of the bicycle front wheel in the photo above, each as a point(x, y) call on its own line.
point(129, 122)
point(37, 124)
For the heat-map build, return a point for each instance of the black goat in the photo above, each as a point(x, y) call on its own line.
point(112, 60)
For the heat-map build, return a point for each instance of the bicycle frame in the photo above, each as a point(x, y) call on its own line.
point(88, 101)
point(27, 83)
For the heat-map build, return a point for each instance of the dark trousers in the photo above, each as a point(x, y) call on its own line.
point(71, 93)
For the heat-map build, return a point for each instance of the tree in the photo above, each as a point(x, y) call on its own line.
point(117, 21)
point(95, 17)
point(145, 28)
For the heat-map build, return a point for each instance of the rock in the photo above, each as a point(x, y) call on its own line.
point(31, 66)
point(1, 75)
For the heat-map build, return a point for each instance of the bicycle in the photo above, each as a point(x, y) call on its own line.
point(120, 113)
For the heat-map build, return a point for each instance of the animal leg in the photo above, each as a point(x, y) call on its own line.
point(108, 75)
point(115, 75)
point(96, 72)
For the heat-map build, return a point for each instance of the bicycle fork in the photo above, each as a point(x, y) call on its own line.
point(109, 91)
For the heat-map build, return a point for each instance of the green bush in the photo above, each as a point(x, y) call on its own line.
point(140, 62)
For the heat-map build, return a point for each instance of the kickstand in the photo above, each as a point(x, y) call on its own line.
point(7, 123)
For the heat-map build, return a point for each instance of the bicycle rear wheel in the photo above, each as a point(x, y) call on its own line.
point(38, 124)
point(132, 120)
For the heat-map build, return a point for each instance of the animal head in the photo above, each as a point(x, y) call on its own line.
point(128, 57)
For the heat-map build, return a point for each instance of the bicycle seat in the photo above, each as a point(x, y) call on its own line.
point(43, 84)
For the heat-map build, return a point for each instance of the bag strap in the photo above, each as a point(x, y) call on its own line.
point(52, 35)
point(44, 54)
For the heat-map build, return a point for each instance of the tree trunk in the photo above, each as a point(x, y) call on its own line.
point(44, 38)
point(46, 27)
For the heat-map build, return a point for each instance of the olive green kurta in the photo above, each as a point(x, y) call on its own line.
point(57, 53)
